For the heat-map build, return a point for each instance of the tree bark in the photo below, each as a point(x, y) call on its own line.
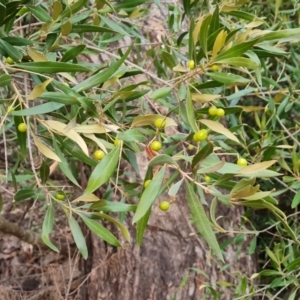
point(158, 268)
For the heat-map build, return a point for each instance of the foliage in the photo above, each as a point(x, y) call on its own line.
point(243, 64)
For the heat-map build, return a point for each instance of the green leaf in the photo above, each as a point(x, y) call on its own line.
point(227, 78)
point(101, 231)
point(25, 194)
point(10, 51)
point(236, 50)
point(52, 67)
point(103, 171)
point(168, 59)
point(240, 62)
point(128, 4)
point(5, 80)
point(76, 151)
point(47, 241)
point(78, 237)
point(149, 195)
point(175, 188)
point(160, 93)
point(48, 227)
point(161, 159)
point(201, 221)
point(132, 135)
point(242, 15)
point(48, 221)
point(40, 13)
point(123, 229)
point(59, 98)
point(280, 34)
point(294, 265)
point(2, 13)
point(141, 226)
point(203, 34)
point(215, 21)
point(110, 206)
point(72, 9)
point(39, 109)
point(90, 28)
point(202, 154)
point(190, 110)
point(44, 172)
point(296, 200)
point(114, 26)
point(17, 41)
point(63, 165)
point(72, 53)
point(102, 76)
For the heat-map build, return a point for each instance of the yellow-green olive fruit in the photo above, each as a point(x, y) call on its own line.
point(220, 112)
point(160, 123)
point(191, 64)
point(60, 196)
point(156, 145)
point(200, 135)
point(242, 162)
point(22, 127)
point(164, 205)
point(99, 154)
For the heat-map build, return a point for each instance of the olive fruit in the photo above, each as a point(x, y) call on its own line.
point(156, 145)
point(99, 154)
point(242, 162)
point(200, 135)
point(22, 127)
point(164, 205)
point(191, 64)
point(160, 123)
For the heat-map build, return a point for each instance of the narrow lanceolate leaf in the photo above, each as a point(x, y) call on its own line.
point(190, 111)
point(25, 194)
point(150, 119)
point(47, 227)
point(160, 160)
point(227, 78)
point(149, 195)
point(78, 237)
point(103, 171)
point(35, 55)
point(63, 165)
point(201, 221)
point(44, 149)
point(48, 221)
point(102, 76)
point(219, 128)
point(202, 154)
point(256, 168)
point(160, 93)
point(123, 229)
point(39, 109)
point(141, 226)
point(101, 231)
point(235, 51)
point(239, 62)
point(296, 200)
point(38, 90)
point(52, 67)
point(62, 128)
point(203, 35)
point(204, 97)
point(5, 80)
point(44, 172)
